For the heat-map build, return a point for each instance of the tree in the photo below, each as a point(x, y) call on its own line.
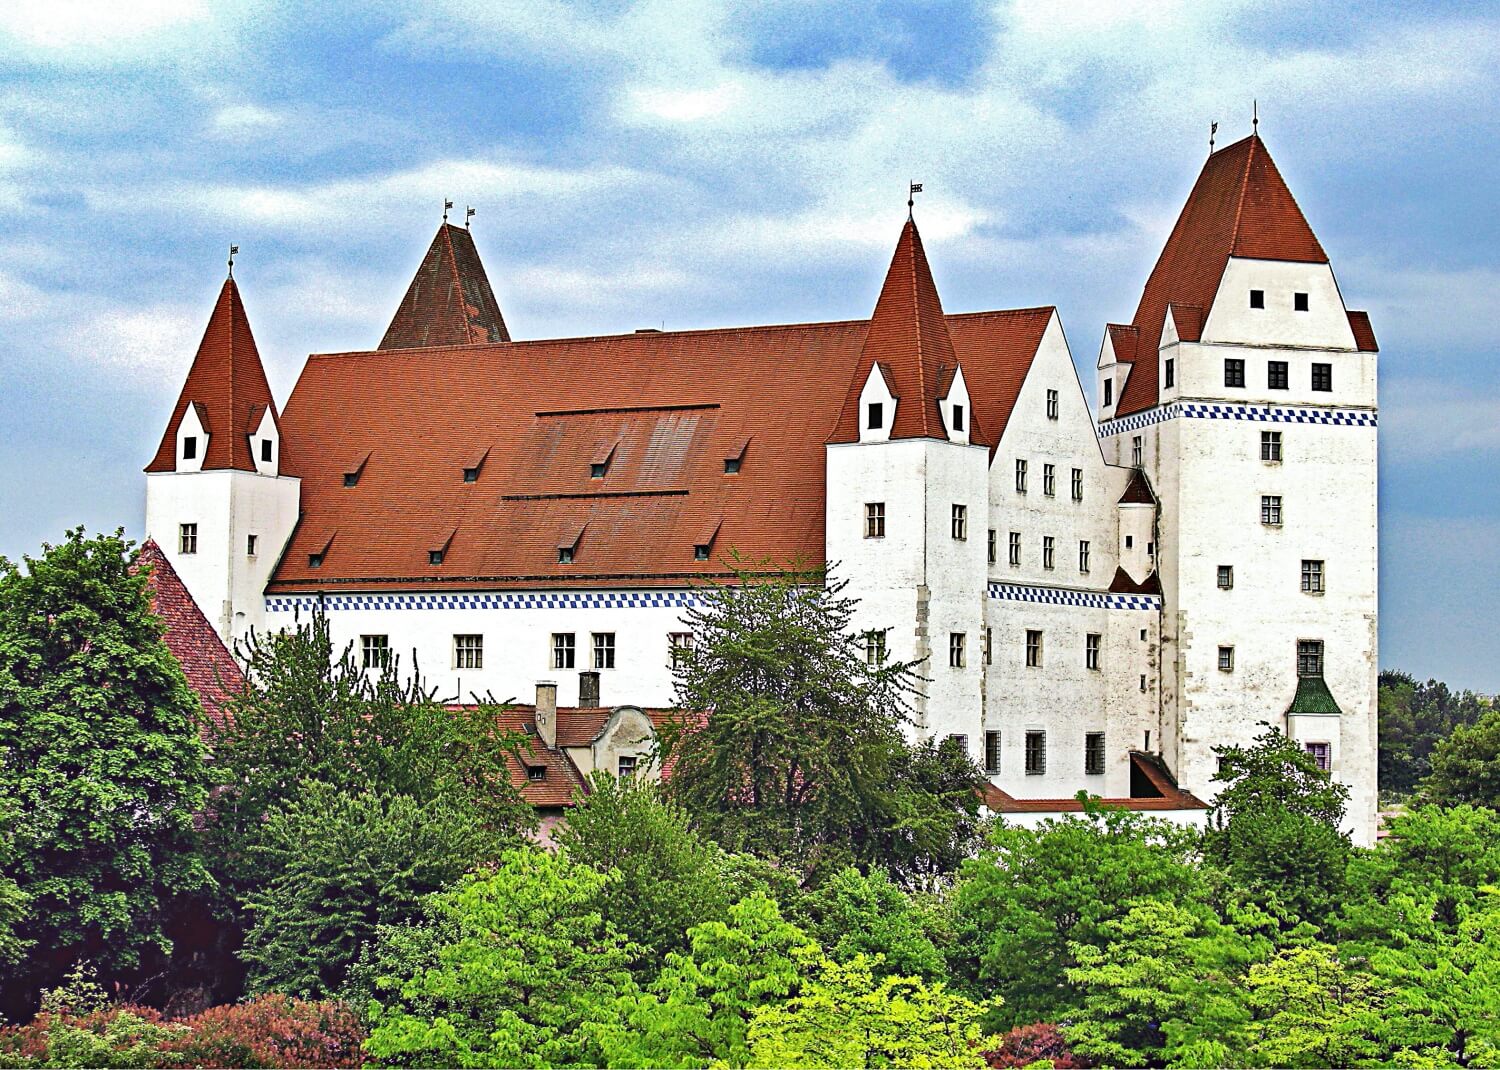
point(792, 745)
point(100, 760)
point(1414, 718)
point(12, 900)
point(518, 963)
point(1466, 765)
point(854, 914)
point(1312, 1010)
point(1027, 904)
point(1274, 827)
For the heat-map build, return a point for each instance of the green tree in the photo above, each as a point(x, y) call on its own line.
point(801, 757)
point(1274, 828)
point(1466, 765)
point(100, 760)
point(845, 1014)
point(1311, 1009)
point(854, 914)
point(519, 965)
point(1025, 906)
point(12, 900)
point(1414, 718)
point(669, 878)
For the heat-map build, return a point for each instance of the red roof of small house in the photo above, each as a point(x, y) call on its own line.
point(227, 386)
point(449, 301)
point(1168, 795)
point(666, 407)
point(1239, 207)
point(211, 670)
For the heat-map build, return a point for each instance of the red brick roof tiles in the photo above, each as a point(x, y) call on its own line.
point(227, 385)
point(577, 726)
point(1239, 207)
point(1364, 334)
point(449, 301)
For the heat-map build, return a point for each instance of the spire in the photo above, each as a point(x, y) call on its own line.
point(449, 301)
point(908, 337)
point(1239, 207)
point(228, 385)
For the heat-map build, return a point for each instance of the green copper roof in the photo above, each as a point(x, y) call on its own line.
point(1313, 696)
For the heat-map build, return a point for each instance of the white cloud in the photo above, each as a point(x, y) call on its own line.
point(95, 32)
point(147, 344)
point(243, 120)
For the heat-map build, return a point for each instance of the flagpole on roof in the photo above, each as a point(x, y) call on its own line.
point(911, 193)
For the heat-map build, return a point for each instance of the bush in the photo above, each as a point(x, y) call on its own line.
point(1027, 1044)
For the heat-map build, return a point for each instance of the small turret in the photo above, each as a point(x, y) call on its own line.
point(449, 301)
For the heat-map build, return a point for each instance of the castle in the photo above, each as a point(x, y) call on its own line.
point(1098, 598)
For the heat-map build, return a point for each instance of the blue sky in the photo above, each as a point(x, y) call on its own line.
point(636, 164)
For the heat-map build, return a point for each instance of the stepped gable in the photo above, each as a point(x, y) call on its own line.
point(449, 301)
point(1239, 207)
point(227, 384)
point(211, 670)
point(908, 337)
point(660, 411)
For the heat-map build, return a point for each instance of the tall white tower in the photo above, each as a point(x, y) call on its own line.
point(1247, 392)
point(219, 501)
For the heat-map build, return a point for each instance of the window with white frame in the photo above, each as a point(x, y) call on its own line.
point(625, 766)
point(1020, 475)
point(875, 646)
point(1049, 551)
point(1083, 555)
point(604, 650)
point(1091, 650)
point(187, 538)
point(1052, 404)
point(874, 520)
point(1049, 480)
point(1270, 446)
point(1033, 648)
point(956, 642)
point(1226, 659)
point(564, 650)
point(1270, 510)
point(1078, 484)
point(375, 651)
point(1312, 576)
point(681, 645)
point(468, 651)
point(1015, 548)
point(1137, 450)
point(960, 522)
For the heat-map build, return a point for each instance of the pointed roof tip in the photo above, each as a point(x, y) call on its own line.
point(450, 301)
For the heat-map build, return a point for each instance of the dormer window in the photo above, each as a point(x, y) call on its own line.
point(1257, 299)
point(265, 450)
point(536, 773)
point(735, 456)
point(471, 475)
point(314, 560)
point(189, 447)
point(435, 557)
point(1299, 302)
point(355, 470)
point(958, 417)
point(600, 466)
point(731, 465)
point(565, 555)
point(703, 545)
point(875, 415)
point(471, 470)
point(700, 552)
point(351, 479)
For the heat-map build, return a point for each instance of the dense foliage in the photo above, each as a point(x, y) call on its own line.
point(1414, 719)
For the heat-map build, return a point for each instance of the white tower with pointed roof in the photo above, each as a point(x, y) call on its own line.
point(1245, 391)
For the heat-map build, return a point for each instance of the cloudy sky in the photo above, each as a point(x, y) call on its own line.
point(694, 165)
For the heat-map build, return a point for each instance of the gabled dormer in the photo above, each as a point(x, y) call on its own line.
point(1116, 357)
point(877, 405)
point(449, 301)
point(954, 407)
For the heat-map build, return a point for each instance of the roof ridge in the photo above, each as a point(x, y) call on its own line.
point(1239, 202)
point(916, 308)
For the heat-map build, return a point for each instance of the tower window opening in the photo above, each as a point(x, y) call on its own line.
point(1257, 299)
point(1299, 302)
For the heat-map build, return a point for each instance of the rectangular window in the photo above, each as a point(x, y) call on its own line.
point(536, 772)
point(1312, 576)
point(1270, 446)
point(565, 555)
point(992, 752)
point(1049, 551)
point(468, 651)
point(1226, 577)
point(250, 541)
point(731, 465)
point(564, 650)
point(1318, 752)
point(1309, 657)
point(189, 447)
point(1322, 377)
point(874, 647)
point(1078, 484)
point(680, 644)
point(625, 766)
point(1276, 375)
point(1052, 404)
point(471, 475)
point(1257, 299)
point(1091, 650)
point(958, 417)
point(1083, 555)
point(604, 650)
point(874, 520)
point(375, 651)
point(1033, 649)
point(1020, 476)
point(1226, 659)
point(962, 740)
point(961, 522)
point(1015, 549)
point(1036, 753)
point(992, 547)
point(1049, 480)
point(1137, 450)
point(265, 450)
point(1299, 302)
point(1093, 753)
point(435, 557)
point(1270, 509)
point(956, 642)
point(875, 415)
point(1171, 371)
point(1109, 392)
point(187, 538)
point(989, 646)
point(1143, 691)
point(1234, 372)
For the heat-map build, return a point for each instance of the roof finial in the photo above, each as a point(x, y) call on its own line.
point(468, 215)
point(1213, 128)
point(911, 194)
point(1254, 118)
point(233, 249)
point(447, 204)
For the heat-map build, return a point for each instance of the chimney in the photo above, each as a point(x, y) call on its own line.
point(588, 688)
point(546, 713)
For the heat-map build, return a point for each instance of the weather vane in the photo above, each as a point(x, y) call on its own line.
point(1255, 116)
point(468, 215)
point(233, 249)
point(1213, 128)
point(447, 205)
point(911, 194)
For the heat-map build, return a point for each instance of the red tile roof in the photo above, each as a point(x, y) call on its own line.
point(674, 405)
point(449, 301)
point(1239, 207)
point(1170, 796)
point(211, 671)
point(227, 385)
point(1138, 490)
point(1364, 334)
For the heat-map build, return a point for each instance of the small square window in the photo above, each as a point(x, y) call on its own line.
point(1270, 510)
point(468, 651)
point(1276, 374)
point(187, 538)
point(1226, 659)
point(1015, 549)
point(958, 417)
point(564, 650)
point(536, 772)
point(1109, 392)
point(597, 469)
point(1226, 577)
point(1319, 752)
point(1234, 371)
point(1091, 650)
point(1036, 753)
point(875, 415)
point(1093, 753)
point(265, 450)
point(1309, 657)
point(1312, 576)
point(1049, 480)
point(189, 447)
point(1270, 446)
point(1052, 404)
point(962, 740)
point(1020, 476)
point(701, 552)
point(1257, 299)
point(375, 651)
point(1322, 377)
point(1299, 302)
point(992, 752)
point(625, 766)
point(351, 479)
point(471, 475)
point(1049, 551)
point(250, 544)
point(1078, 484)
point(435, 557)
point(874, 520)
point(314, 560)
point(1033, 649)
point(565, 555)
point(604, 650)
point(961, 522)
point(1171, 372)
point(680, 644)
point(956, 642)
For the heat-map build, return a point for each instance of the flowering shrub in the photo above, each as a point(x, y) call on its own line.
point(269, 1031)
point(1028, 1044)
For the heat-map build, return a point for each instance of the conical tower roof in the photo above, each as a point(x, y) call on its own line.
point(449, 301)
point(227, 383)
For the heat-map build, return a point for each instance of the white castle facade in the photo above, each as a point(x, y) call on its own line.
point(1098, 597)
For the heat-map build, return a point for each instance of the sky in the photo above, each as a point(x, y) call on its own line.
point(690, 165)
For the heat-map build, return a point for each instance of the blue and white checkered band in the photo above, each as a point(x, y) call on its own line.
point(487, 600)
point(1219, 410)
point(1060, 596)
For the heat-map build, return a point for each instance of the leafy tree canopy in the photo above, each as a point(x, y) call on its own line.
point(855, 914)
point(1414, 718)
point(1466, 765)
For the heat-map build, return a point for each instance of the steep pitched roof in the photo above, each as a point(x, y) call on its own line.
point(1158, 791)
point(1239, 207)
point(1364, 334)
point(674, 405)
point(206, 662)
point(227, 384)
point(449, 301)
point(907, 336)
